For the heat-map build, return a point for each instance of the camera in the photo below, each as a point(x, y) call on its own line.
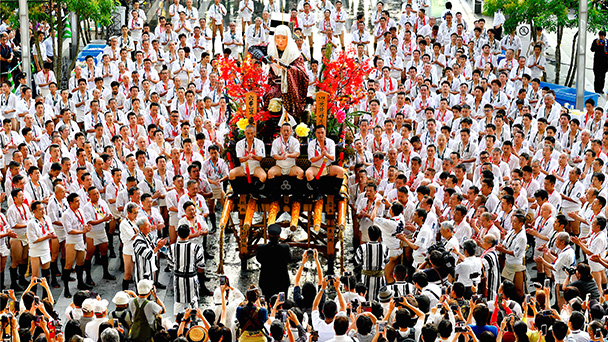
point(597, 334)
point(366, 307)
point(543, 329)
point(6, 292)
point(93, 294)
point(310, 253)
point(330, 278)
point(381, 326)
point(354, 304)
point(281, 297)
point(262, 300)
point(56, 324)
point(36, 300)
point(460, 327)
point(475, 298)
point(283, 316)
point(570, 270)
point(222, 280)
point(348, 274)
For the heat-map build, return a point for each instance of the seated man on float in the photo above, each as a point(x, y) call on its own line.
point(322, 150)
point(250, 151)
point(285, 150)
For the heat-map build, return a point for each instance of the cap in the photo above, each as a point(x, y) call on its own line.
point(100, 306)
point(385, 294)
point(274, 230)
point(144, 286)
point(88, 305)
point(121, 298)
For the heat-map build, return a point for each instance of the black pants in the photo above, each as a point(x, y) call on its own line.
point(498, 32)
point(600, 79)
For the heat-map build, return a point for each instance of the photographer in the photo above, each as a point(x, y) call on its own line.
point(251, 317)
point(10, 327)
point(468, 271)
point(190, 318)
point(325, 327)
point(304, 296)
point(585, 283)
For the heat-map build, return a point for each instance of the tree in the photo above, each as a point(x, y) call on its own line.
point(596, 20)
point(555, 18)
point(552, 15)
point(56, 12)
point(516, 12)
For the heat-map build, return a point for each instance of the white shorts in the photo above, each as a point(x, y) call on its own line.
point(285, 170)
point(98, 237)
point(307, 32)
point(392, 253)
point(78, 245)
point(127, 248)
point(45, 258)
point(60, 232)
point(218, 193)
point(251, 169)
point(595, 266)
point(40, 250)
point(173, 221)
point(79, 116)
point(22, 237)
point(317, 168)
point(4, 250)
point(566, 210)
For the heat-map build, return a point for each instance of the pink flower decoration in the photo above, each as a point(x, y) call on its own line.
point(340, 116)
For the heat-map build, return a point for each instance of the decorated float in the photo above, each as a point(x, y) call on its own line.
point(266, 96)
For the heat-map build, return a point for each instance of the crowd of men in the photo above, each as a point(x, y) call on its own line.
point(466, 175)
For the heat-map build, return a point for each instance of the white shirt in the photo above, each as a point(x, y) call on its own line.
point(243, 149)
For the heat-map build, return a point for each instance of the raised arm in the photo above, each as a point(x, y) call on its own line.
point(315, 303)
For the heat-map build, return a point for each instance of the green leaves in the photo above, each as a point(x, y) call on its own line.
point(99, 11)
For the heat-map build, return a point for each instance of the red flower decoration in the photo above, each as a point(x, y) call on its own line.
point(343, 79)
point(240, 79)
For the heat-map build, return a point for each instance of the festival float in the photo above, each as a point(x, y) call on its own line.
point(256, 99)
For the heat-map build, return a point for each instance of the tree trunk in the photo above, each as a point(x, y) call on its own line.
point(572, 59)
point(87, 32)
point(573, 76)
point(77, 32)
point(558, 53)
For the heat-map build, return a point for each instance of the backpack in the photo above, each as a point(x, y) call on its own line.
point(140, 331)
point(410, 337)
point(502, 313)
point(124, 318)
